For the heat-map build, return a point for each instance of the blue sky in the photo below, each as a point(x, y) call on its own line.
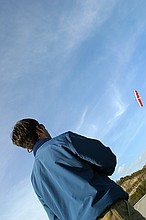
point(72, 65)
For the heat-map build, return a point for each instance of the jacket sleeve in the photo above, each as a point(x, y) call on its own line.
point(92, 151)
point(50, 214)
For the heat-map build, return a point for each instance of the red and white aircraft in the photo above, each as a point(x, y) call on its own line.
point(138, 98)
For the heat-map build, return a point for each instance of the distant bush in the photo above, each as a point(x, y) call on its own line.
point(143, 170)
point(123, 179)
point(140, 192)
point(137, 188)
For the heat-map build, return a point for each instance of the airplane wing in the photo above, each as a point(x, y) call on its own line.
point(138, 98)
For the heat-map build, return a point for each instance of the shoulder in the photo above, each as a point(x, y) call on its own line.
point(63, 136)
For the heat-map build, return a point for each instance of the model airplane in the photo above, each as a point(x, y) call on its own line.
point(138, 98)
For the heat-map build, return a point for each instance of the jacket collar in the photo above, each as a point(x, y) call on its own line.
point(38, 144)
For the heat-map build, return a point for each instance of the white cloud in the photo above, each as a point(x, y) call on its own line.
point(138, 164)
point(121, 169)
point(90, 15)
point(82, 119)
point(118, 105)
point(127, 135)
point(92, 130)
point(134, 130)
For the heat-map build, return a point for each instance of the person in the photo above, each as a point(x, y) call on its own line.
point(71, 175)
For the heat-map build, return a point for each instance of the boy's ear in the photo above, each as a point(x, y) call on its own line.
point(41, 125)
point(39, 129)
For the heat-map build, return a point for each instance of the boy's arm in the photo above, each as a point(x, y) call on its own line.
point(93, 151)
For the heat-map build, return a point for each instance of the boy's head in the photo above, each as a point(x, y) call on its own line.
point(24, 133)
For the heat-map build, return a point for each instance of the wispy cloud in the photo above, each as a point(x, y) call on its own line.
point(138, 164)
point(88, 17)
point(135, 130)
point(118, 104)
point(121, 169)
point(125, 169)
point(99, 121)
point(28, 44)
point(82, 119)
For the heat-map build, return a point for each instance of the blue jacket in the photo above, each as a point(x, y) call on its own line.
point(70, 177)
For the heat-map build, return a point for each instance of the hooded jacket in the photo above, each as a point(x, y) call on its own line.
point(70, 177)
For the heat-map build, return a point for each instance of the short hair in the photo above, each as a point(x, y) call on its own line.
point(24, 133)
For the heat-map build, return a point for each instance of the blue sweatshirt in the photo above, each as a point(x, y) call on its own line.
point(70, 177)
